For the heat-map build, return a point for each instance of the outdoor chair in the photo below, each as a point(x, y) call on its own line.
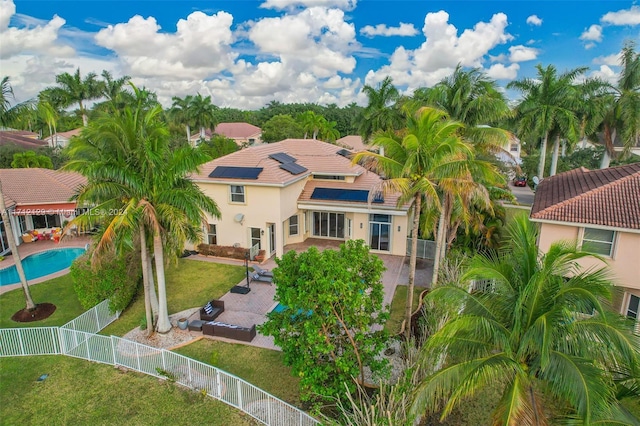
point(263, 272)
point(211, 310)
point(261, 278)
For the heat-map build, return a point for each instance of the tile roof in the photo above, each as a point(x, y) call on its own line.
point(352, 142)
point(34, 186)
point(608, 197)
point(237, 130)
point(317, 156)
point(16, 138)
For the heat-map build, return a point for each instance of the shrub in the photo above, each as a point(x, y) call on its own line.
point(222, 251)
point(115, 278)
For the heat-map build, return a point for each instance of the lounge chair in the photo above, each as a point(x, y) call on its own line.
point(261, 278)
point(263, 272)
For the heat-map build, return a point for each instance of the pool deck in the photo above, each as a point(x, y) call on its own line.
point(27, 249)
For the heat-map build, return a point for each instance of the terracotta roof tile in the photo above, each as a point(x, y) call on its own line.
point(237, 130)
point(608, 197)
point(14, 138)
point(33, 186)
point(352, 142)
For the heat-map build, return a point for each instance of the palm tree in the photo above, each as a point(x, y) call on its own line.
point(428, 155)
point(30, 159)
point(8, 113)
point(624, 114)
point(548, 108)
point(539, 333)
point(381, 113)
point(202, 112)
point(312, 123)
point(113, 89)
point(141, 179)
point(181, 113)
point(75, 89)
point(30, 305)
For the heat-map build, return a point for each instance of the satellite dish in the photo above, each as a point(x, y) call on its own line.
point(536, 180)
point(239, 218)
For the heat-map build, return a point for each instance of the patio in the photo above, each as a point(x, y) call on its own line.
point(248, 309)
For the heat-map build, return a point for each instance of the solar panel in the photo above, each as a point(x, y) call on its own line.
point(345, 153)
point(236, 172)
point(293, 168)
point(335, 194)
point(282, 158)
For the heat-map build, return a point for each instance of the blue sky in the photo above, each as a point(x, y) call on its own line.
point(247, 53)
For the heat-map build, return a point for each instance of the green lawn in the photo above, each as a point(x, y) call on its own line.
point(79, 392)
point(190, 283)
point(398, 305)
point(58, 291)
point(261, 367)
point(513, 212)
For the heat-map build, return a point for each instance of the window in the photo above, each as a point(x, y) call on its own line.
point(22, 224)
point(514, 147)
point(237, 194)
point(328, 224)
point(212, 235)
point(46, 221)
point(329, 177)
point(633, 306)
point(293, 225)
point(380, 231)
point(598, 241)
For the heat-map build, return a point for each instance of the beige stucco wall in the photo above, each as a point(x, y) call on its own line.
point(624, 263)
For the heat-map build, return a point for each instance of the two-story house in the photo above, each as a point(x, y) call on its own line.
point(276, 194)
point(600, 209)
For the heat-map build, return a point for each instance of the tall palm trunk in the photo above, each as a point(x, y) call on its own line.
point(188, 134)
point(202, 133)
point(412, 264)
point(543, 155)
point(554, 158)
point(163, 325)
point(85, 119)
point(145, 279)
point(437, 257)
point(609, 138)
point(16, 256)
point(153, 296)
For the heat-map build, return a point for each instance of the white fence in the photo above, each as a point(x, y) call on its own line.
point(77, 339)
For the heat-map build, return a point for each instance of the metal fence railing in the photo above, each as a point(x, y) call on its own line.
point(426, 249)
point(78, 339)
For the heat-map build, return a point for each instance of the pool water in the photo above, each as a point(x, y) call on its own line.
point(41, 264)
point(280, 308)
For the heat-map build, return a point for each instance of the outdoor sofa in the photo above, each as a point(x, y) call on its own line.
point(211, 310)
point(234, 332)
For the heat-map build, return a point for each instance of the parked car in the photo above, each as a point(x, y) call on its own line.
point(520, 181)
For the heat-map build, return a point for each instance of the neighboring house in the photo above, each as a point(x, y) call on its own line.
point(276, 194)
point(511, 152)
point(353, 143)
point(244, 134)
point(22, 139)
point(600, 209)
point(62, 139)
point(37, 199)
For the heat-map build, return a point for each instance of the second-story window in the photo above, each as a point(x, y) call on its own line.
point(237, 194)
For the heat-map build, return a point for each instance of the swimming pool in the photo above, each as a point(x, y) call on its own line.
point(41, 264)
point(280, 308)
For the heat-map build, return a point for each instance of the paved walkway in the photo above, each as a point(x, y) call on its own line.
point(252, 308)
point(27, 249)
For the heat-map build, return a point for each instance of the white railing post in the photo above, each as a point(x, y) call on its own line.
point(20, 340)
point(97, 319)
point(219, 384)
point(138, 358)
point(189, 368)
point(113, 351)
point(86, 342)
point(164, 364)
point(239, 384)
point(53, 339)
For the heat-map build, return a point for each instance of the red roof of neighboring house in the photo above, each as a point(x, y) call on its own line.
point(237, 130)
point(607, 197)
point(352, 142)
point(15, 138)
point(25, 187)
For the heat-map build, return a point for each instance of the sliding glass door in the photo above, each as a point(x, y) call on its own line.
point(327, 224)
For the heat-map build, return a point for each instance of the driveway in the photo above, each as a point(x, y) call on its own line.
point(524, 195)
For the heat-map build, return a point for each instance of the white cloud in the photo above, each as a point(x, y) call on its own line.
point(605, 73)
point(522, 53)
point(404, 30)
point(291, 4)
point(613, 59)
point(630, 16)
point(41, 38)
point(589, 46)
point(199, 47)
point(534, 20)
point(593, 33)
point(500, 72)
point(442, 51)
